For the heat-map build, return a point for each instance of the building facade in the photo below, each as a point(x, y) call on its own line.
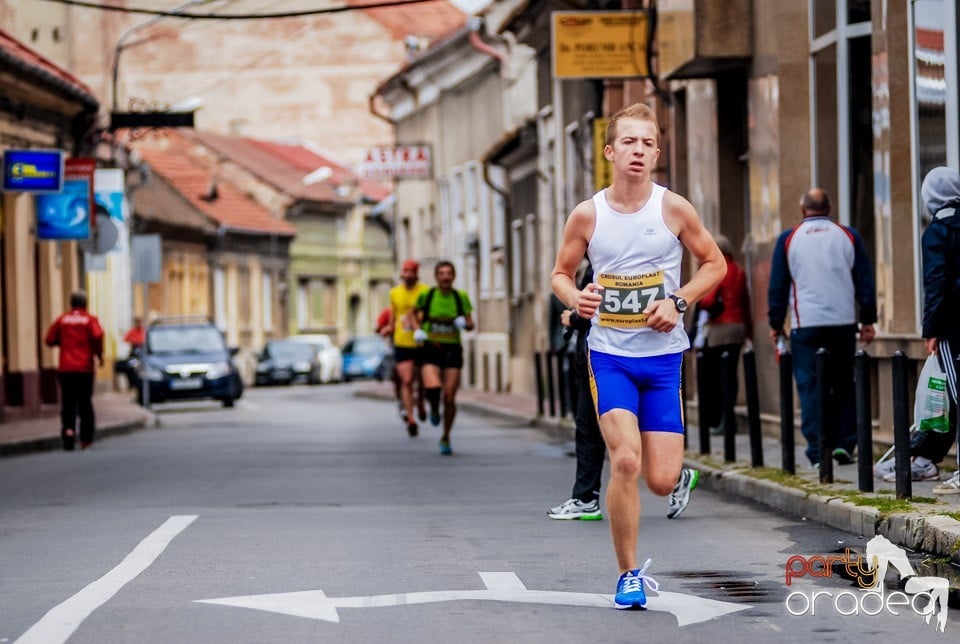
point(42, 106)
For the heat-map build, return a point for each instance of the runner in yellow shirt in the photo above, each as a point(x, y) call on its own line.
point(406, 353)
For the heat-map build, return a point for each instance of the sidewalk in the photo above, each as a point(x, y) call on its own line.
point(927, 522)
point(116, 413)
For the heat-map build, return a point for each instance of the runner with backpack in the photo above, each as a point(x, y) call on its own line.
point(441, 313)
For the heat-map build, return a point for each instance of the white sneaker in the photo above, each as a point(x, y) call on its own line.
point(950, 486)
point(921, 469)
point(576, 509)
point(883, 468)
point(680, 497)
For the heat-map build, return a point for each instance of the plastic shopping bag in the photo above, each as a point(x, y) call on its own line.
point(931, 410)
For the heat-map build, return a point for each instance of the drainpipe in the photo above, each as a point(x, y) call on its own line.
point(475, 24)
point(373, 110)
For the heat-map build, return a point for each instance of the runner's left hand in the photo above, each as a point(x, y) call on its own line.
point(663, 315)
point(460, 322)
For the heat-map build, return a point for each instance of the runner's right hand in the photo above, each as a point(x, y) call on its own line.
point(420, 336)
point(589, 300)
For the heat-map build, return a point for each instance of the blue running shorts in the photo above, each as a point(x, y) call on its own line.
point(646, 387)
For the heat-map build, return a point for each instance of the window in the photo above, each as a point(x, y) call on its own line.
point(243, 294)
point(317, 303)
point(267, 297)
point(935, 101)
point(219, 298)
point(841, 106)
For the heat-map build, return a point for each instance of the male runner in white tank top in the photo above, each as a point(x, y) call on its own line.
point(634, 233)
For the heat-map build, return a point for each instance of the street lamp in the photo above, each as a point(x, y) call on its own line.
point(121, 42)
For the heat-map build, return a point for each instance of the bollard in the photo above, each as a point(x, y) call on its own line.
point(861, 377)
point(702, 386)
point(824, 431)
point(551, 392)
point(729, 420)
point(787, 449)
point(753, 407)
point(901, 426)
point(538, 373)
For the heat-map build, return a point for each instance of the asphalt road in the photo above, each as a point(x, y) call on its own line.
point(307, 515)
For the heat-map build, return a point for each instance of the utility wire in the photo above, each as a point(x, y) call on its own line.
point(239, 16)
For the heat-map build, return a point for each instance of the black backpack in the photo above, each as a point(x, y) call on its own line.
point(429, 299)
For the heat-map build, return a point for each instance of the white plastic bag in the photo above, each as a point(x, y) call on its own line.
point(931, 410)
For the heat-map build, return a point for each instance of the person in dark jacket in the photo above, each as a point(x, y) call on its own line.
point(821, 273)
point(730, 325)
point(80, 338)
point(940, 244)
point(584, 502)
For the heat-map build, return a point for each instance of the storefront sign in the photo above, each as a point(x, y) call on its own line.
point(602, 169)
point(398, 162)
point(67, 214)
point(32, 170)
point(599, 44)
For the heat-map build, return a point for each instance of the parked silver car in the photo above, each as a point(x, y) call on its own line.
point(331, 360)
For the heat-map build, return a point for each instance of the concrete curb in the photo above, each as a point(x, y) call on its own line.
point(52, 443)
point(932, 533)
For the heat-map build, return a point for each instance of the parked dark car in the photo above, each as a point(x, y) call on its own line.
point(283, 362)
point(186, 360)
point(367, 356)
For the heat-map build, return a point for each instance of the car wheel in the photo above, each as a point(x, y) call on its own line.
point(228, 402)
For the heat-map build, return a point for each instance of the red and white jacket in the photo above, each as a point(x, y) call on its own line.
point(80, 338)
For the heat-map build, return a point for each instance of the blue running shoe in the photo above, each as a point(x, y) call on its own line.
point(630, 592)
point(434, 417)
point(445, 447)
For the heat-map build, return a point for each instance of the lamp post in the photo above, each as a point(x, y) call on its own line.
point(121, 42)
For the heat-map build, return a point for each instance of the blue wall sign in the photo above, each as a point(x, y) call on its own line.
point(32, 170)
point(65, 215)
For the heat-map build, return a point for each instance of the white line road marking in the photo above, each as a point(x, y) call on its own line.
point(501, 586)
point(62, 620)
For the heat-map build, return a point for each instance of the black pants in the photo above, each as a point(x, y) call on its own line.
point(711, 398)
point(841, 342)
point(76, 399)
point(591, 449)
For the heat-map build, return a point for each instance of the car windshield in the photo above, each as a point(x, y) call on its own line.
point(367, 346)
point(179, 340)
point(319, 341)
point(290, 350)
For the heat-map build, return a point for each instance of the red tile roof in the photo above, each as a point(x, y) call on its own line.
point(18, 53)
point(188, 176)
point(284, 166)
point(429, 19)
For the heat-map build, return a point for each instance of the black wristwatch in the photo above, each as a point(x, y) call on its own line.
point(679, 302)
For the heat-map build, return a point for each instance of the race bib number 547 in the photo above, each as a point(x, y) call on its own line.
point(625, 297)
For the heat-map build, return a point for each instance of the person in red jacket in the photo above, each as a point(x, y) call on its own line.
point(80, 338)
point(730, 324)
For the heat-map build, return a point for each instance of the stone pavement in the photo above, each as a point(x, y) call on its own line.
point(115, 412)
point(925, 523)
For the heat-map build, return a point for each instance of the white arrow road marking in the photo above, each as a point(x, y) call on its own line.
point(501, 586)
point(62, 620)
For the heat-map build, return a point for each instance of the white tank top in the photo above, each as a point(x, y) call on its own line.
point(636, 258)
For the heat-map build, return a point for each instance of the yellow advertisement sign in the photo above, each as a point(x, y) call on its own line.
point(599, 44)
point(602, 169)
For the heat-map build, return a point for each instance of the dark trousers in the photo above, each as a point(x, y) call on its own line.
point(840, 403)
point(711, 400)
point(76, 399)
point(591, 449)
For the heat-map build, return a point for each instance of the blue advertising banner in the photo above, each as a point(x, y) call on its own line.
point(65, 215)
point(33, 171)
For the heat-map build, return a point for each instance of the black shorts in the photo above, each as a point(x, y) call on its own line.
point(443, 355)
point(405, 354)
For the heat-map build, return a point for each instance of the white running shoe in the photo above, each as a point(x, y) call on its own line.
point(921, 469)
point(883, 468)
point(576, 509)
point(950, 486)
point(680, 497)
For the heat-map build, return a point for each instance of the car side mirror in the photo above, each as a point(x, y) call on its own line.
point(234, 351)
